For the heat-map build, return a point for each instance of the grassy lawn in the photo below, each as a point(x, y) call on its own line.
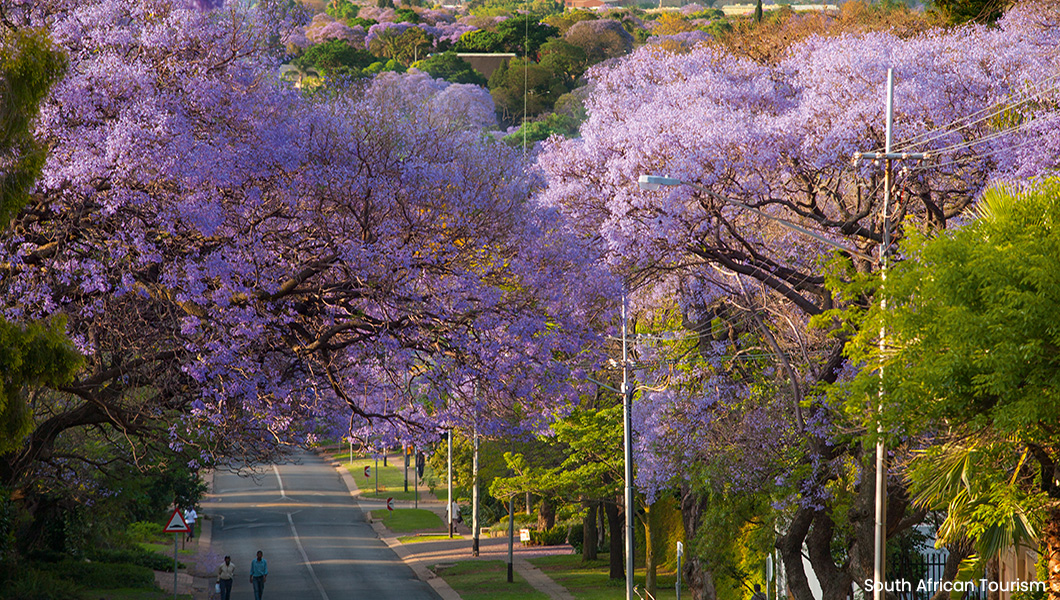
point(391, 477)
point(413, 539)
point(404, 520)
point(486, 580)
point(589, 581)
point(129, 594)
point(164, 549)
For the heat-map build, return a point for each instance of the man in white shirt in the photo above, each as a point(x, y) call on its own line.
point(189, 517)
point(225, 575)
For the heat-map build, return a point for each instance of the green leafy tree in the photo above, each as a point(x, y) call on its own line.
point(536, 131)
point(29, 65)
point(480, 40)
point(450, 67)
point(563, 21)
point(972, 358)
point(363, 22)
point(335, 58)
point(591, 473)
point(600, 40)
point(566, 61)
point(406, 15)
point(410, 45)
point(343, 10)
point(495, 8)
point(525, 34)
point(31, 354)
point(524, 88)
point(963, 11)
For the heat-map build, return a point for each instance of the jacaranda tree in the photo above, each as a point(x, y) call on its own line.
point(243, 268)
point(779, 137)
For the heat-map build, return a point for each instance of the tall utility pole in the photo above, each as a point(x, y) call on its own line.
point(627, 443)
point(474, 493)
point(879, 567)
point(449, 477)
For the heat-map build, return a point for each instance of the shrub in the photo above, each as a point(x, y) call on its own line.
point(136, 556)
point(143, 531)
point(31, 584)
point(100, 575)
point(551, 537)
point(575, 536)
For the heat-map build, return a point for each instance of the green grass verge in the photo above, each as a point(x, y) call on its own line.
point(486, 580)
point(391, 477)
point(165, 549)
point(404, 520)
point(589, 580)
point(414, 539)
point(127, 594)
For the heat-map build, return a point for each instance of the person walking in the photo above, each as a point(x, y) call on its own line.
point(225, 573)
point(259, 571)
point(189, 517)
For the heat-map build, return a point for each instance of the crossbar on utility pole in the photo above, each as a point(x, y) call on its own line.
point(888, 156)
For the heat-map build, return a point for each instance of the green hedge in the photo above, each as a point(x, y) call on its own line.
point(136, 556)
point(101, 575)
point(33, 584)
point(552, 537)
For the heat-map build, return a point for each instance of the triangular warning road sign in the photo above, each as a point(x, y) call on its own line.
point(177, 524)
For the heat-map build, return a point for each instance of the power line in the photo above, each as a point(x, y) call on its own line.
point(994, 110)
point(976, 157)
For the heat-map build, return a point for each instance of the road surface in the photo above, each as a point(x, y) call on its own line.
point(314, 538)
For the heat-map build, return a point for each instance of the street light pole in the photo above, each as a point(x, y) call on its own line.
point(627, 444)
point(449, 477)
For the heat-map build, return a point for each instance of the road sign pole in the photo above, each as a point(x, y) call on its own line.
point(177, 525)
point(680, 554)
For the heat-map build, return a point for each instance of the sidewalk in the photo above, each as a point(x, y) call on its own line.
point(421, 555)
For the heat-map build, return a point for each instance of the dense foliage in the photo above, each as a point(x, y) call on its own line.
point(779, 137)
point(243, 267)
point(215, 263)
point(970, 361)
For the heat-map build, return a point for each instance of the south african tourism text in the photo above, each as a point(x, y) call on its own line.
point(934, 585)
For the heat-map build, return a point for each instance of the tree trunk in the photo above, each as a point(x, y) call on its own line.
point(546, 514)
point(601, 531)
point(835, 582)
point(614, 525)
point(697, 572)
point(650, 566)
point(790, 546)
point(590, 541)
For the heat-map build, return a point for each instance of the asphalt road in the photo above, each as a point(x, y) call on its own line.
point(314, 538)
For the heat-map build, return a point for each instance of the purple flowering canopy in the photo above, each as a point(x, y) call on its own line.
point(265, 267)
point(781, 139)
